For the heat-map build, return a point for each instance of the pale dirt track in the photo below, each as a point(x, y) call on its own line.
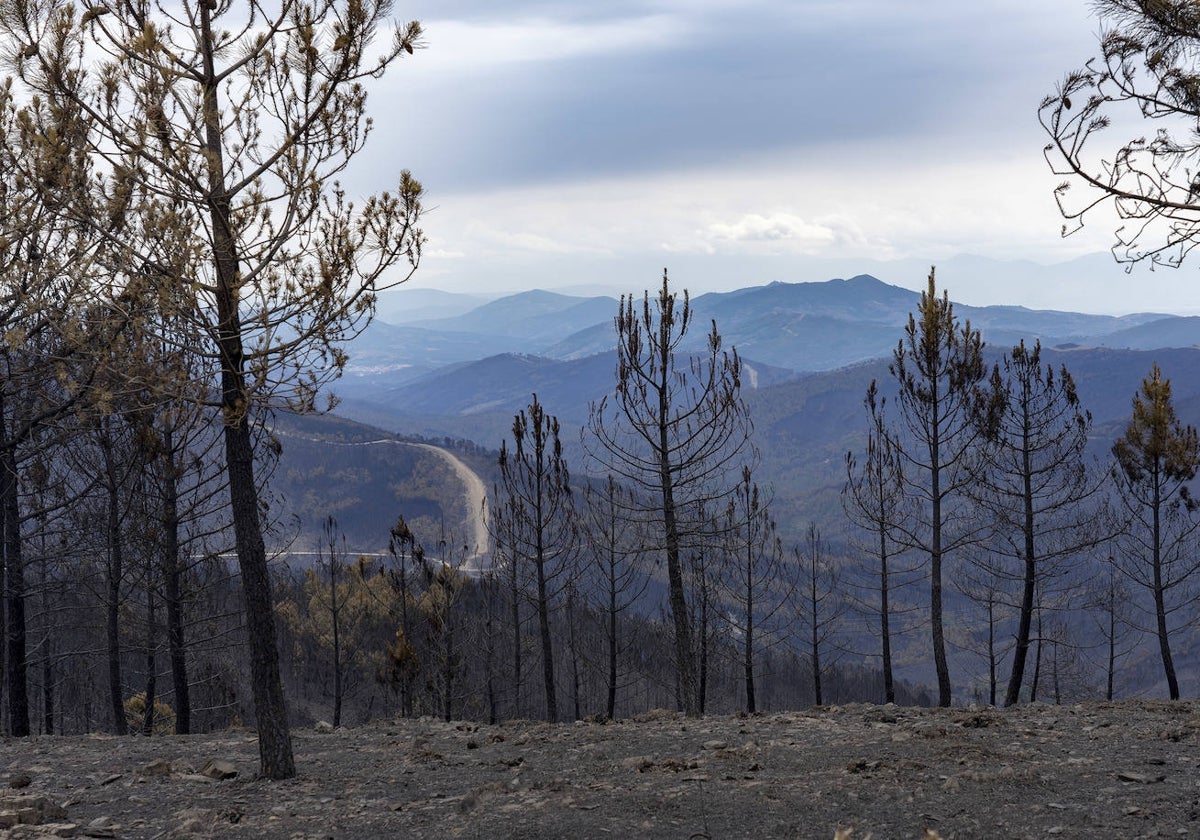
point(476, 495)
point(473, 487)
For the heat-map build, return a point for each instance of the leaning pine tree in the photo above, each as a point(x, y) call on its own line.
point(231, 121)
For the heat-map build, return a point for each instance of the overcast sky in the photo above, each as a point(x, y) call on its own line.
point(569, 144)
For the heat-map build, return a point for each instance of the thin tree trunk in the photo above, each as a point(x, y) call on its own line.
point(151, 665)
point(448, 664)
point(818, 698)
point(172, 594)
point(889, 685)
point(14, 601)
point(611, 705)
point(935, 584)
point(703, 637)
point(112, 606)
point(515, 595)
point(1160, 607)
point(337, 642)
point(691, 697)
point(1013, 693)
point(1054, 674)
point(1037, 662)
point(1020, 652)
point(991, 650)
point(1112, 640)
point(5, 675)
point(547, 645)
point(47, 694)
point(406, 688)
point(573, 648)
point(489, 655)
point(748, 650)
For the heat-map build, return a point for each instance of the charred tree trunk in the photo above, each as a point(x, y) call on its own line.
point(270, 706)
point(334, 620)
point(48, 694)
point(514, 595)
point(448, 668)
point(547, 644)
point(172, 570)
point(1160, 607)
point(115, 572)
point(885, 631)
point(14, 579)
point(151, 665)
point(611, 702)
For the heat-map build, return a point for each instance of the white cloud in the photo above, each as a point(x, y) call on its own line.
point(851, 202)
point(804, 236)
point(462, 47)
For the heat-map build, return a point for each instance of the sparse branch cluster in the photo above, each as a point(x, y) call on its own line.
point(1146, 69)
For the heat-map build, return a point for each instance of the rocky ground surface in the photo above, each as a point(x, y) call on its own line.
point(1129, 769)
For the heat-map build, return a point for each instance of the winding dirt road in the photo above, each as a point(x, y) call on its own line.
point(475, 492)
point(473, 488)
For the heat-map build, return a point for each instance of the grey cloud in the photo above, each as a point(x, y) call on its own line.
point(741, 84)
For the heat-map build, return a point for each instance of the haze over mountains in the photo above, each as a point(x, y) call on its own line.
point(480, 358)
point(809, 351)
point(459, 367)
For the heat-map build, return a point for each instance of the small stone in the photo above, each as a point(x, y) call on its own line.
point(157, 767)
point(101, 827)
point(192, 825)
point(640, 763)
point(861, 766)
point(218, 768)
point(29, 816)
point(1140, 778)
point(323, 727)
point(715, 745)
point(30, 810)
point(20, 780)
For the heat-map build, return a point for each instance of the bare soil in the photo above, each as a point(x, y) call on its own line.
point(1118, 770)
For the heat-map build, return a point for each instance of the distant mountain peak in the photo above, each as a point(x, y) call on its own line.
point(865, 280)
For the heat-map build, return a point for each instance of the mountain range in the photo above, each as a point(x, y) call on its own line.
point(809, 351)
point(457, 368)
point(439, 373)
